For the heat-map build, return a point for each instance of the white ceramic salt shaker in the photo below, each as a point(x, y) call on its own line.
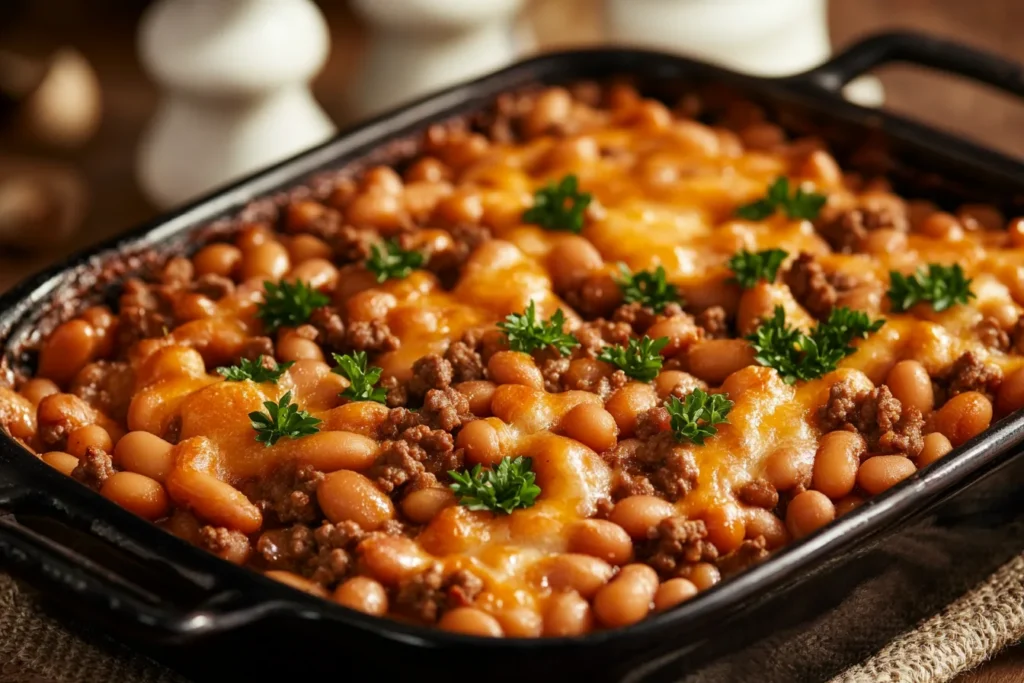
point(761, 37)
point(234, 76)
point(417, 46)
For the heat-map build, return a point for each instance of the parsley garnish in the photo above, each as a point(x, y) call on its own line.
point(559, 206)
point(695, 417)
point(749, 267)
point(800, 205)
point(641, 359)
point(648, 288)
point(288, 303)
point(282, 419)
point(392, 262)
point(254, 370)
point(795, 355)
point(943, 286)
point(503, 489)
point(361, 380)
point(525, 333)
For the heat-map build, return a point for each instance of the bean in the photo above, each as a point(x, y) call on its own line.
point(1016, 231)
point(170, 362)
point(881, 472)
point(269, 261)
point(362, 594)
point(943, 226)
point(848, 504)
point(566, 615)
point(66, 351)
point(137, 493)
point(551, 109)
point(585, 373)
point(571, 260)
point(628, 403)
point(463, 206)
point(337, 450)
point(677, 381)
point(349, 496)
point(391, 559)
point(936, 445)
point(602, 539)
point(305, 247)
point(808, 512)
point(672, 593)
point(910, 383)
point(964, 416)
point(427, 169)
point(592, 426)
point(297, 582)
point(725, 527)
point(682, 333)
point(470, 621)
point(62, 462)
point(515, 367)
point(317, 273)
point(423, 505)
point(218, 259)
point(713, 360)
point(479, 393)
point(627, 599)
point(521, 622)
point(253, 235)
point(480, 440)
point(38, 388)
point(94, 436)
point(789, 466)
point(216, 501)
point(375, 208)
point(638, 514)
point(836, 463)
point(704, 575)
point(295, 348)
point(194, 307)
point(981, 217)
point(822, 168)
point(885, 241)
point(1009, 398)
point(582, 573)
point(383, 178)
point(761, 522)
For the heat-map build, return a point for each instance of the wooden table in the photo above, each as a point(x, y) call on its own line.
point(104, 30)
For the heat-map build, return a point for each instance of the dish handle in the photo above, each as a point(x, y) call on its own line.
point(918, 49)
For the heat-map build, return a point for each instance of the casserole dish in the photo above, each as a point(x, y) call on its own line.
point(152, 589)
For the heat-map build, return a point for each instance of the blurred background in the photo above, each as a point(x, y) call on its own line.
point(76, 99)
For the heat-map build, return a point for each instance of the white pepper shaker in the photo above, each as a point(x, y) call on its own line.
point(235, 98)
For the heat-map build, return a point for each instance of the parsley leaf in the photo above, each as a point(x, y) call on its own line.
point(559, 206)
point(525, 333)
point(648, 288)
point(641, 359)
point(392, 262)
point(695, 418)
point(800, 205)
point(750, 267)
point(361, 380)
point(798, 356)
point(503, 489)
point(282, 419)
point(254, 370)
point(288, 303)
point(943, 286)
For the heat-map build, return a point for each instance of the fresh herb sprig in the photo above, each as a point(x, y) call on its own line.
point(362, 380)
point(750, 267)
point(559, 206)
point(799, 204)
point(640, 359)
point(282, 419)
point(288, 303)
point(392, 262)
point(648, 288)
point(798, 356)
point(941, 286)
point(525, 333)
point(254, 370)
point(696, 418)
point(503, 489)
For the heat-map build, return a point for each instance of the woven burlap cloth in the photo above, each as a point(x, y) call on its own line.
point(35, 649)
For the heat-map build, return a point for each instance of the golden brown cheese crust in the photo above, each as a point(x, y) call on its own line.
point(630, 519)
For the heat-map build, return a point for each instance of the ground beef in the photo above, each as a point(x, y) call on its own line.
point(288, 493)
point(877, 415)
point(552, 369)
point(640, 317)
point(715, 322)
point(226, 544)
point(658, 465)
point(94, 468)
point(213, 286)
point(145, 311)
point(759, 493)
point(970, 373)
point(396, 393)
point(324, 555)
point(594, 336)
point(603, 385)
point(106, 386)
point(373, 336)
point(813, 288)
point(428, 595)
point(992, 334)
point(353, 244)
point(448, 262)
point(844, 232)
point(1017, 337)
point(674, 543)
point(330, 329)
point(397, 421)
point(446, 409)
point(429, 372)
point(466, 363)
point(419, 451)
point(750, 552)
point(254, 347)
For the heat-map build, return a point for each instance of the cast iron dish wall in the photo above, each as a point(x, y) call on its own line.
point(816, 606)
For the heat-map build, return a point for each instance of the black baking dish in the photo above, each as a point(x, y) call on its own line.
point(813, 608)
